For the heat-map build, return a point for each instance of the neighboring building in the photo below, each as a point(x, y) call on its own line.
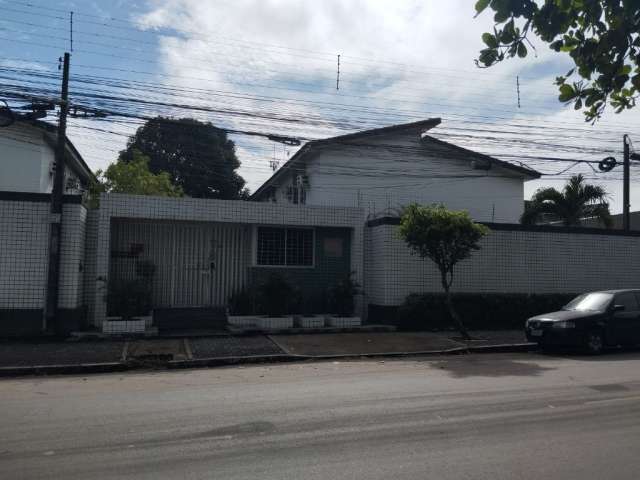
point(634, 222)
point(27, 153)
point(386, 168)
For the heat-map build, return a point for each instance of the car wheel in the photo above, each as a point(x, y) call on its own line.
point(594, 342)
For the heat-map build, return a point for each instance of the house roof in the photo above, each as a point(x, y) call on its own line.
point(418, 127)
point(526, 171)
point(73, 157)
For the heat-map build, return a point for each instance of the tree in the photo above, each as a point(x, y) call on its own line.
point(577, 200)
point(197, 156)
point(601, 36)
point(134, 177)
point(445, 237)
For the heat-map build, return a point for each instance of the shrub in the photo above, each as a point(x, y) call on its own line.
point(243, 302)
point(341, 296)
point(479, 311)
point(275, 296)
point(131, 297)
point(128, 298)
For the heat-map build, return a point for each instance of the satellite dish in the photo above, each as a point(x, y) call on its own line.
point(6, 115)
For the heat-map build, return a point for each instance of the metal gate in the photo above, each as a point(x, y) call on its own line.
point(195, 264)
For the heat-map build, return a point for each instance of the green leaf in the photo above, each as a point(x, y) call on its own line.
point(556, 46)
point(566, 93)
point(481, 5)
point(624, 70)
point(578, 104)
point(522, 50)
point(489, 40)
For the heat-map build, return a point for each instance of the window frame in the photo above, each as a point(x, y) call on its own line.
point(285, 228)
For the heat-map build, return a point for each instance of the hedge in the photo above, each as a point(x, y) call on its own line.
point(478, 311)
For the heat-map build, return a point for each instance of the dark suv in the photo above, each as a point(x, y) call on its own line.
point(591, 320)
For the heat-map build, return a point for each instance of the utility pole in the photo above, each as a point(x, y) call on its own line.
point(625, 187)
point(55, 231)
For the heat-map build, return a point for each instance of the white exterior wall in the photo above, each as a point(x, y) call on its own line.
point(74, 218)
point(92, 286)
point(510, 261)
point(390, 172)
point(218, 211)
point(24, 240)
point(25, 160)
point(24, 254)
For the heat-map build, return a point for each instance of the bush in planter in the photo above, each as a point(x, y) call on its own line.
point(129, 298)
point(145, 269)
point(341, 297)
point(276, 296)
point(244, 301)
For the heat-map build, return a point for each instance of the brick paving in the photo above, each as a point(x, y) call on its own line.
point(233, 346)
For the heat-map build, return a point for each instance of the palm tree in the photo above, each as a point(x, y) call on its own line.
point(577, 201)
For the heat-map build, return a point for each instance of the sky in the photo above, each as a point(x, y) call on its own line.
point(270, 66)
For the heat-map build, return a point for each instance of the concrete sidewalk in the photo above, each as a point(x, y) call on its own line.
point(353, 344)
point(51, 357)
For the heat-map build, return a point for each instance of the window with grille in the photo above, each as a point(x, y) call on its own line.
point(291, 247)
point(296, 195)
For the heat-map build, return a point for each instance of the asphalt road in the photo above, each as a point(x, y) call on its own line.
point(502, 416)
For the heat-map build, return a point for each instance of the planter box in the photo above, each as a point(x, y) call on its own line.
point(244, 321)
point(309, 322)
point(275, 323)
point(135, 325)
point(343, 322)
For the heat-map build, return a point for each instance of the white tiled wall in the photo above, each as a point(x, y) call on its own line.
point(72, 256)
point(511, 261)
point(24, 254)
point(24, 240)
point(91, 285)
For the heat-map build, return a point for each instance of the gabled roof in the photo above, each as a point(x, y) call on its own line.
point(526, 171)
point(73, 158)
point(417, 127)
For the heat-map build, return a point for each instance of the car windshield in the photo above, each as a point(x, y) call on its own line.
point(592, 302)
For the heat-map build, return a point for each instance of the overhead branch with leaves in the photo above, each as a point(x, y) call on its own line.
point(601, 37)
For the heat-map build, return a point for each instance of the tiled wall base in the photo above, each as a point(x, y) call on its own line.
point(344, 322)
point(119, 326)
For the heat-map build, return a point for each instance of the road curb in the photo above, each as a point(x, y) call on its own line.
point(290, 357)
point(63, 369)
point(86, 368)
point(221, 361)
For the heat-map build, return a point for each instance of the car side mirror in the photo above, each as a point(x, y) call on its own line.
point(618, 308)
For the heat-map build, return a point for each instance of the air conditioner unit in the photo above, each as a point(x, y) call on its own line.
point(481, 164)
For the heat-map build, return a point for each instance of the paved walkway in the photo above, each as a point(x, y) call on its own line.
point(125, 353)
point(396, 342)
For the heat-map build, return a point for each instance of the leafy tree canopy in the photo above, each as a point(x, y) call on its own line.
point(601, 36)
point(198, 157)
point(577, 200)
point(445, 237)
point(134, 177)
